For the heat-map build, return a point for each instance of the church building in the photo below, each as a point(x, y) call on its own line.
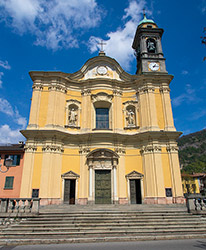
point(103, 136)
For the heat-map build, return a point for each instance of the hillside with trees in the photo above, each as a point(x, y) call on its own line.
point(192, 152)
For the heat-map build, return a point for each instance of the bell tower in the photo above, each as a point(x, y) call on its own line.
point(148, 48)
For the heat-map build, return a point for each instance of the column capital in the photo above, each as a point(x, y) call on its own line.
point(151, 149)
point(172, 148)
point(30, 148)
point(164, 89)
point(37, 87)
point(86, 92)
point(84, 150)
point(53, 149)
point(117, 92)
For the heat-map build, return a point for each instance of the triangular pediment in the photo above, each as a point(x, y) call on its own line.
point(101, 67)
point(70, 175)
point(134, 175)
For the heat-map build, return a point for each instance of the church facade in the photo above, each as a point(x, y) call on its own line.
point(103, 136)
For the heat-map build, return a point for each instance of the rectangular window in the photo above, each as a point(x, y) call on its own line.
point(15, 158)
point(35, 193)
point(9, 182)
point(102, 118)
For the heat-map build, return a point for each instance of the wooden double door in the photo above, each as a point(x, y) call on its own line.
point(69, 191)
point(102, 186)
point(135, 191)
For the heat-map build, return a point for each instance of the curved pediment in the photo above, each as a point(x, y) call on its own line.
point(101, 67)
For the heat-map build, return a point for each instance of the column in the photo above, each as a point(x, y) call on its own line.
point(115, 184)
point(35, 106)
point(177, 191)
point(91, 198)
point(84, 177)
point(27, 174)
point(167, 109)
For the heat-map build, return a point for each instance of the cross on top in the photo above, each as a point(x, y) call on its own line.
point(102, 44)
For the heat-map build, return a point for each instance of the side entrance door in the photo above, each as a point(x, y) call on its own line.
point(135, 191)
point(69, 191)
point(103, 187)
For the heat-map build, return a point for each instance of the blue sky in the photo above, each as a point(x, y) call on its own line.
point(63, 34)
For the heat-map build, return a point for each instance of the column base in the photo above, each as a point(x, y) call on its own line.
point(83, 201)
point(123, 201)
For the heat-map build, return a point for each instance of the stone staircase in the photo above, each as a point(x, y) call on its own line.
point(64, 224)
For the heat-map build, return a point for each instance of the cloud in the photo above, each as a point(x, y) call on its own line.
point(7, 134)
point(184, 72)
point(1, 74)
point(5, 65)
point(119, 43)
point(54, 23)
point(197, 115)
point(189, 96)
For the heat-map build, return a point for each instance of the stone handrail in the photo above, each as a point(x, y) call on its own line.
point(196, 203)
point(19, 205)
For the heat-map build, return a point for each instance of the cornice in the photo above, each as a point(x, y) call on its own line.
point(78, 137)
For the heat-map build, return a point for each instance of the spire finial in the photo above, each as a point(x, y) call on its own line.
point(101, 52)
point(144, 13)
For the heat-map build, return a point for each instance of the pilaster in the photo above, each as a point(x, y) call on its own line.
point(51, 171)
point(86, 110)
point(117, 107)
point(175, 173)
point(26, 184)
point(167, 108)
point(84, 177)
point(35, 105)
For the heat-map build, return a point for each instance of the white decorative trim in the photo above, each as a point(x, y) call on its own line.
point(101, 96)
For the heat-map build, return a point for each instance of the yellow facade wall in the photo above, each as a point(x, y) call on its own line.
point(159, 107)
point(43, 108)
point(37, 169)
point(166, 169)
point(71, 161)
point(133, 161)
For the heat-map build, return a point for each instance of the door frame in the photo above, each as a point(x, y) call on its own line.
point(131, 176)
point(71, 176)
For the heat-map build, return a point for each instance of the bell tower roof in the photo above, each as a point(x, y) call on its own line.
point(145, 20)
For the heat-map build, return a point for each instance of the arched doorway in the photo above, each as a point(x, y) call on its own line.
point(102, 176)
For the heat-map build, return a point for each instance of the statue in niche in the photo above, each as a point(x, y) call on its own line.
point(130, 117)
point(72, 117)
point(151, 47)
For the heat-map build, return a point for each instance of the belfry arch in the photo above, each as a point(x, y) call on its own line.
point(102, 164)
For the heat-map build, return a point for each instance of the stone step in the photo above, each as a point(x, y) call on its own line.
point(107, 219)
point(104, 233)
point(102, 228)
point(110, 224)
point(121, 238)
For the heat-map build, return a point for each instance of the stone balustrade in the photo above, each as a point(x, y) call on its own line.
point(19, 205)
point(196, 203)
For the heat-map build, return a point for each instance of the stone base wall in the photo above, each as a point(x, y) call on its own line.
point(82, 201)
point(50, 201)
point(164, 200)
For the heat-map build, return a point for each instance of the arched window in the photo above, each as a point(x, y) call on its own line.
point(151, 45)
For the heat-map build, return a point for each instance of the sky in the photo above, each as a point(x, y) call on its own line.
point(62, 35)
